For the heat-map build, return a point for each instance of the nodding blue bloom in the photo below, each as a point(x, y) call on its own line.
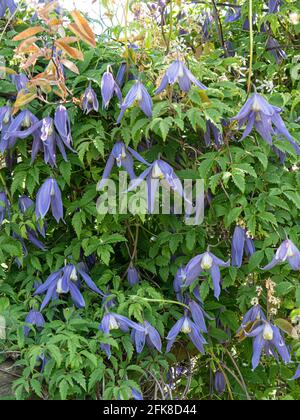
point(206, 262)
point(20, 81)
point(287, 252)
point(186, 326)
point(112, 321)
point(178, 72)
point(268, 337)
point(5, 122)
point(265, 118)
point(22, 126)
point(148, 336)
point(25, 203)
point(121, 74)
point(4, 207)
point(63, 126)
point(49, 195)
point(254, 314)
point(212, 131)
point(241, 243)
point(297, 374)
point(155, 173)
point(7, 4)
point(274, 5)
point(138, 93)
point(89, 101)
point(207, 26)
point(136, 395)
point(274, 48)
point(64, 281)
point(109, 88)
point(122, 157)
point(219, 384)
point(46, 140)
point(133, 276)
point(34, 318)
point(233, 14)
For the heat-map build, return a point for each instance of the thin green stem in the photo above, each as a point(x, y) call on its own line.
point(251, 46)
point(171, 26)
point(173, 302)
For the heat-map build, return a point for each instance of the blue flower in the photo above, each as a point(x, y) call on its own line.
point(138, 93)
point(22, 126)
point(7, 4)
point(89, 100)
point(7, 142)
point(112, 321)
point(219, 384)
point(178, 72)
point(186, 326)
point(20, 81)
point(64, 281)
point(265, 118)
point(149, 336)
point(4, 207)
point(213, 132)
point(34, 318)
point(132, 276)
point(297, 374)
point(63, 126)
point(274, 5)
point(274, 48)
point(255, 314)
point(109, 88)
point(49, 195)
point(267, 337)
point(286, 252)
point(241, 243)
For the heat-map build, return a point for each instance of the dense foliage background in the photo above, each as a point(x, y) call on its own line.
point(245, 183)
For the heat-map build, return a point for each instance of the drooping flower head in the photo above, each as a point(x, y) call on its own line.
point(4, 207)
point(219, 384)
point(233, 14)
point(274, 5)
point(213, 132)
point(274, 48)
point(5, 122)
point(21, 127)
point(287, 252)
point(47, 140)
point(89, 100)
point(267, 337)
point(64, 281)
point(63, 126)
point(265, 118)
point(7, 4)
point(34, 318)
point(255, 314)
point(25, 203)
point(206, 262)
point(297, 374)
point(149, 336)
point(112, 321)
point(49, 195)
point(186, 326)
point(242, 244)
point(20, 81)
point(179, 73)
point(109, 88)
point(139, 94)
point(133, 276)
point(122, 156)
point(155, 173)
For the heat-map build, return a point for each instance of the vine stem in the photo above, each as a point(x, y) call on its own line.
point(251, 46)
point(174, 302)
point(171, 27)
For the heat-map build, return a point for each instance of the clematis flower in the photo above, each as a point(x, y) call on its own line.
point(20, 81)
point(112, 321)
point(7, 142)
point(265, 118)
point(212, 132)
point(34, 318)
point(4, 207)
point(267, 337)
point(138, 93)
point(121, 74)
point(148, 336)
point(132, 276)
point(206, 262)
point(49, 195)
point(156, 172)
point(63, 126)
point(241, 243)
point(220, 384)
point(22, 126)
point(274, 5)
point(297, 374)
point(123, 157)
point(186, 326)
point(136, 395)
point(89, 101)
point(178, 72)
point(233, 14)
point(256, 313)
point(46, 140)
point(274, 48)
point(286, 252)
point(64, 281)
point(26, 203)
point(7, 4)
point(109, 88)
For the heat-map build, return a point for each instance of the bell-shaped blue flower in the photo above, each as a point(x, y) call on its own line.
point(49, 195)
point(63, 126)
point(139, 94)
point(109, 88)
point(4, 207)
point(287, 252)
point(89, 100)
point(34, 318)
point(149, 336)
point(242, 244)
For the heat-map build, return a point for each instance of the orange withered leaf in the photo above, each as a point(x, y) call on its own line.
point(7, 70)
point(25, 44)
point(69, 39)
point(82, 29)
point(72, 52)
point(71, 66)
point(29, 33)
point(23, 99)
point(44, 12)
